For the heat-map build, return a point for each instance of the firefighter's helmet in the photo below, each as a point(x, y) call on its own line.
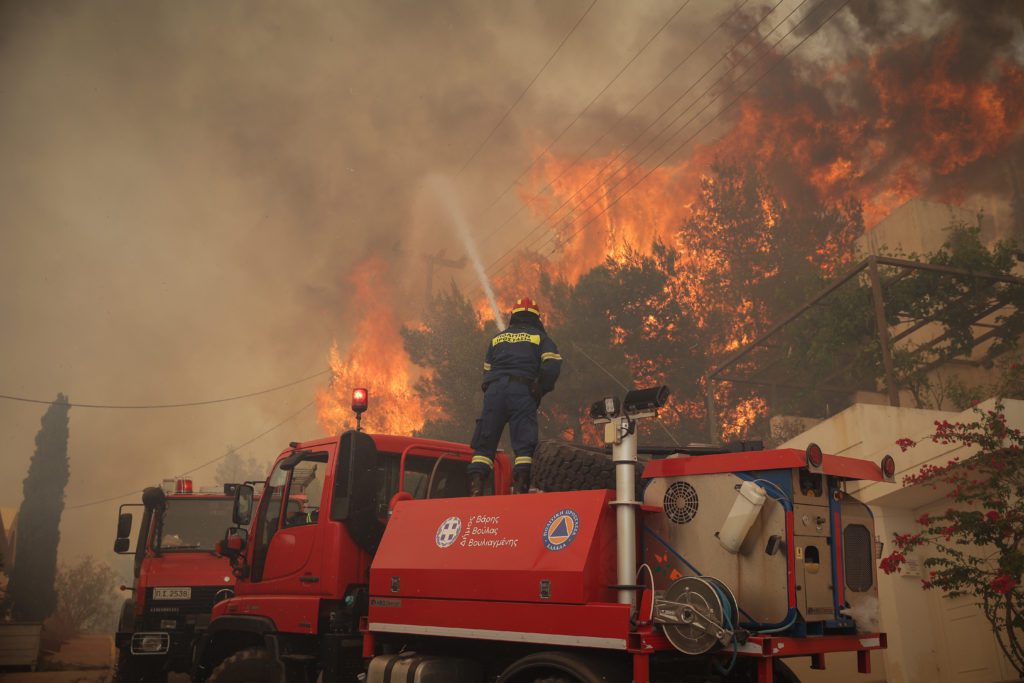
point(526, 304)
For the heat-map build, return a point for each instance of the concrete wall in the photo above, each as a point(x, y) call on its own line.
point(919, 226)
point(920, 624)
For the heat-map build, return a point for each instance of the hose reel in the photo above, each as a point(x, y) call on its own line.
point(698, 614)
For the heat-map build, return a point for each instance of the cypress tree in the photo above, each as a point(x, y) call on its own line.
point(31, 590)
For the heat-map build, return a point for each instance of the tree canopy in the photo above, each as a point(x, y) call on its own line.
point(31, 589)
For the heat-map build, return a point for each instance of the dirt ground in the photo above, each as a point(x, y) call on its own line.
point(86, 659)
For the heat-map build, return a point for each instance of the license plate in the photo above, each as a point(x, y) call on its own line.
point(172, 593)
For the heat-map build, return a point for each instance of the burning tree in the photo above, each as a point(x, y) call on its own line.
point(450, 343)
point(978, 540)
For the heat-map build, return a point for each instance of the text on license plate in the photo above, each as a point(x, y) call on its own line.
point(172, 593)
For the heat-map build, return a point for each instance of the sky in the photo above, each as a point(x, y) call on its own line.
point(185, 186)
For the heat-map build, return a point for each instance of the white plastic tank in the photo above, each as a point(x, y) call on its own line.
point(749, 501)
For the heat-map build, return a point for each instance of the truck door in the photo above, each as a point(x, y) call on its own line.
point(287, 548)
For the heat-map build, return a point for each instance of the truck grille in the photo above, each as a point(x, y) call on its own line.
point(858, 557)
point(201, 602)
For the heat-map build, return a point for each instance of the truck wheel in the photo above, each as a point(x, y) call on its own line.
point(254, 665)
point(748, 673)
point(560, 466)
point(131, 669)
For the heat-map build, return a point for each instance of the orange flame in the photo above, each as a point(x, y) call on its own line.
point(908, 125)
point(375, 360)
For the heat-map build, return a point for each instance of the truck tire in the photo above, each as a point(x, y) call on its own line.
point(253, 665)
point(747, 673)
point(559, 466)
point(131, 669)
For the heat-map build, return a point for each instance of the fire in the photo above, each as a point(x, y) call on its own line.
point(910, 124)
point(904, 121)
point(376, 359)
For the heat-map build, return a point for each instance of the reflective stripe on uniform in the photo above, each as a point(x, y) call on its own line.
point(487, 367)
point(482, 460)
point(523, 460)
point(549, 356)
point(516, 337)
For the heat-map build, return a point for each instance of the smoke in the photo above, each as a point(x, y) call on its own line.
point(186, 187)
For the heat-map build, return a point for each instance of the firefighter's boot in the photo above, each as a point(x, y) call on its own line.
point(476, 484)
point(521, 480)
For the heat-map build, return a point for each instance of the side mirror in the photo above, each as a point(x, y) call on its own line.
point(241, 514)
point(124, 525)
point(122, 545)
point(233, 544)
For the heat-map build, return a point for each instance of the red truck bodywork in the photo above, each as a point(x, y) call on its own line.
point(518, 585)
point(156, 630)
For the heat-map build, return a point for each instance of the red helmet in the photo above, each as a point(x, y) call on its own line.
point(526, 304)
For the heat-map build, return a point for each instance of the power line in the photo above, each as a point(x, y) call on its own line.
point(576, 119)
point(619, 154)
point(613, 126)
point(169, 405)
point(681, 145)
point(636, 155)
point(205, 464)
point(252, 440)
point(544, 242)
point(525, 90)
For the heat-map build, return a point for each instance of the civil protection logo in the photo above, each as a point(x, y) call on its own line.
point(448, 532)
point(561, 529)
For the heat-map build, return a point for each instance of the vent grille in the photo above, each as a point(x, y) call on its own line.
point(680, 502)
point(858, 557)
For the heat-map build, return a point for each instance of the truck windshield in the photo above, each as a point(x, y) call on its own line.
point(194, 524)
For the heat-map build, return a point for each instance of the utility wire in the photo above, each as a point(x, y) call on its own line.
point(525, 90)
point(719, 81)
point(205, 464)
point(575, 162)
point(253, 439)
point(729, 104)
point(169, 405)
point(624, 387)
point(575, 120)
point(619, 154)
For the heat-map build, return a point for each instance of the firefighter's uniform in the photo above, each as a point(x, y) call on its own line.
point(522, 364)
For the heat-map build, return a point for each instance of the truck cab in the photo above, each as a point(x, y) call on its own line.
point(178, 577)
point(304, 561)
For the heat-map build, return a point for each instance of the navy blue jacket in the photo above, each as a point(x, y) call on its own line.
point(523, 350)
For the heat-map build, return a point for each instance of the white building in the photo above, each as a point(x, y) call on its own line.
point(932, 638)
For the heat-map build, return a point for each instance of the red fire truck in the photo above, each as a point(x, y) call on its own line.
point(178, 576)
point(730, 563)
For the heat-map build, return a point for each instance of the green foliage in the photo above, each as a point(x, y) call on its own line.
point(616, 325)
point(236, 468)
point(450, 344)
point(977, 541)
point(86, 600)
point(31, 589)
point(837, 343)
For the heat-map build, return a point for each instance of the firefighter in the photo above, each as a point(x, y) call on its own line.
point(522, 365)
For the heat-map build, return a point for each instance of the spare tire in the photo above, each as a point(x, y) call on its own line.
point(562, 466)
